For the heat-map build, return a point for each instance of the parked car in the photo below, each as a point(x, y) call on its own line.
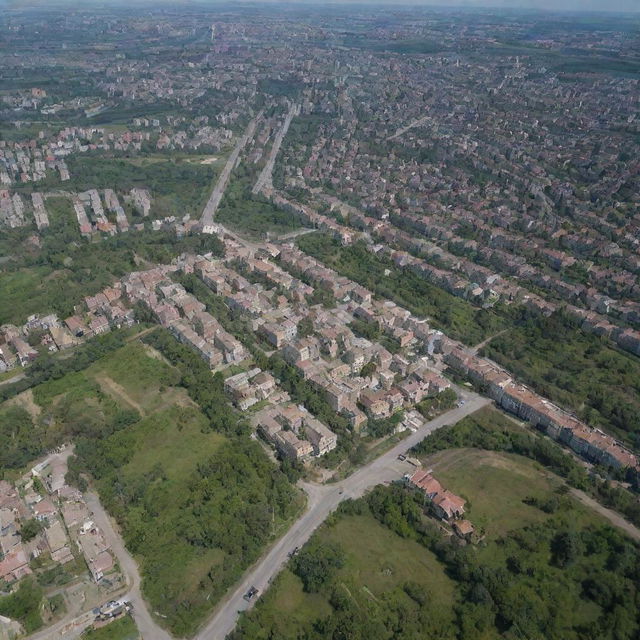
point(252, 593)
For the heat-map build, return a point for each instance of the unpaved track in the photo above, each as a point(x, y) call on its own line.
point(614, 518)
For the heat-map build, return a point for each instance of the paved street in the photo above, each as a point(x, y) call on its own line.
point(403, 130)
point(322, 500)
point(72, 628)
point(147, 626)
point(218, 191)
point(264, 179)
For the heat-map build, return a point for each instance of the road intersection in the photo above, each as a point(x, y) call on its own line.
point(322, 501)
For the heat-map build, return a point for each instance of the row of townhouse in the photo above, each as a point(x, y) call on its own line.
point(185, 317)
point(295, 432)
point(98, 315)
point(482, 285)
point(250, 387)
point(592, 444)
point(476, 282)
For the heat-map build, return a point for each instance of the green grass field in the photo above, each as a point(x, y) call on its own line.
point(531, 574)
point(495, 486)
point(122, 629)
point(165, 449)
point(16, 306)
point(378, 562)
point(195, 506)
point(140, 380)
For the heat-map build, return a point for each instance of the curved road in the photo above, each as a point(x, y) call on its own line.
point(147, 626)
point(322, 500)
point(149, 629)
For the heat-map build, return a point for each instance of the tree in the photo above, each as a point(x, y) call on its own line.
point(369, 369)
point(30, 529)
point(305, 327)
point(566, 547)
point(317, 563)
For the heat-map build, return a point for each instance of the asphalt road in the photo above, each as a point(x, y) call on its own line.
point(221, 184)
point(69, 628)
point(147, 626)
point(415, 123)
point(322, 500)
point(264, 179)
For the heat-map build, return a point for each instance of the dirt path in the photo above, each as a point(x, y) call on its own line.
point(16, 378)
point(110, 385)
point(484, 343)
point(26, 401)
point(614, 518)
point(445, 460)
point(156, 355)
point(142, 334)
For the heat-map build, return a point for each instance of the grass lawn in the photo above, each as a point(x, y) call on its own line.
point(135, 377)
point(130, 377)
point(494, 485)
point(16, 306)
point(377, 561)
point(173, 439)
point(286, 608)
point(493, 419)
point(122, 629)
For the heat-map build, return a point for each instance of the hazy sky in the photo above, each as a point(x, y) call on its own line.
point(552, 5)
point(574, 5)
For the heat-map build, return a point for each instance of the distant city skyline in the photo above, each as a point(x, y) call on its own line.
point(545, 5)
point(609, 6)
point(549, 5)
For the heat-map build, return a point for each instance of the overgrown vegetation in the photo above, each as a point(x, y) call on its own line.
point(195, 498)
point(249, 213)
point(460, 319)
point(206, 390)
point(24, 605)
point(561, 575)
point(430, 407)
point(66, 269)
point(122, 629)
point(577, 370)
point(23, 437)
